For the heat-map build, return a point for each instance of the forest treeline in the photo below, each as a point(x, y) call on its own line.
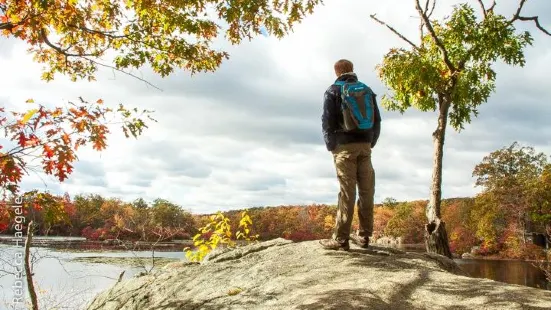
point(501, 220)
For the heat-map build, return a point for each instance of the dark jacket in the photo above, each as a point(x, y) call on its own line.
point(331, 119)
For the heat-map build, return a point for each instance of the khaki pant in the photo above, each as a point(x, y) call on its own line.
point(353, 165)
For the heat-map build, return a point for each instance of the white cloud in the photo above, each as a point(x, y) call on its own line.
point(250, 133)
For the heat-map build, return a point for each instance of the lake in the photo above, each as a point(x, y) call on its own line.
point(72, 284)
point(508, 271)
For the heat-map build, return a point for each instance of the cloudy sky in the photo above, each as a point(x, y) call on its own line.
point(250, 133)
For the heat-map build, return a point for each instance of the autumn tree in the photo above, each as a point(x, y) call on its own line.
point(381, 217)
point(406, 222)
point(49, 209)
point(167, 214)
point(450, 71)
point(88, 211)
point(461, 225)
point(541, 202)
point(513, 180)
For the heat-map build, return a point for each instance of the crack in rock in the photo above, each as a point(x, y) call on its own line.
point(227, 254)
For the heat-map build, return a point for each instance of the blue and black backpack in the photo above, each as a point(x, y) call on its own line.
point(357, 108)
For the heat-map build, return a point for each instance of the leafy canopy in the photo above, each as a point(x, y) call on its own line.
point(508, 168)
point(71, 36)
point(420, 77)
point(516, 183)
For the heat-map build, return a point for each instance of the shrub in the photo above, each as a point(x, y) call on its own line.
point(217, 232)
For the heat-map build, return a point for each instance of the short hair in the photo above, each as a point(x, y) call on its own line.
point(343, 66)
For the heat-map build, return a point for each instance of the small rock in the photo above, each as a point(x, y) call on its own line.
point(467, 256)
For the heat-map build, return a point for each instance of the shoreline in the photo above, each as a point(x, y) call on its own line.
point(81, 244)
point(492, 258)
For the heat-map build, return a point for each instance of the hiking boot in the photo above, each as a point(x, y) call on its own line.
point(362, 242)
point(332, 244)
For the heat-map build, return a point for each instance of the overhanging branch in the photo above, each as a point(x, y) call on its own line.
point(394, 31)
point(6, 26)
point(58, 49)
point(535, 19)
point(121, 71)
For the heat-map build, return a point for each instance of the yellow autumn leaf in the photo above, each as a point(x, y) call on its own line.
point(57, 113)
point(28, 116)
point(29, 100)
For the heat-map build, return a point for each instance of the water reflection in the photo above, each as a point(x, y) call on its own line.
point(508, 271)
point(513, 272)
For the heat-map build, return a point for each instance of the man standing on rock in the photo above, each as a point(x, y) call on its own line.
point(351, 125)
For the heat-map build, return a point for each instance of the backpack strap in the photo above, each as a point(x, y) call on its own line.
point(342, 85)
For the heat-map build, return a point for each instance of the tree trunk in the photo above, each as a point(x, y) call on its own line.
point(28, 272)
point(436, 237)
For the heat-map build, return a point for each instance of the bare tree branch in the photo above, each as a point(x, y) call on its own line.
point(524, 18)
point(483, 7)
point(432, 9)
point(422, 23)
point(538, 25)
point(395, 31)
point(437, 41)
point(122, 71)
point(517, 14)
point(491, 9)
point(421, 33)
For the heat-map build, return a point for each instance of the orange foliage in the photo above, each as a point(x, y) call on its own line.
point(97, 218)
point(381, 217)
point(457, 218)
point(53, 136)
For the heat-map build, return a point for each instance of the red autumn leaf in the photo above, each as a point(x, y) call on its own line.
point(48, 152)
point(22, 139)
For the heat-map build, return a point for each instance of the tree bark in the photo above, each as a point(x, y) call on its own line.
point(436, 237)
point(28, 272)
